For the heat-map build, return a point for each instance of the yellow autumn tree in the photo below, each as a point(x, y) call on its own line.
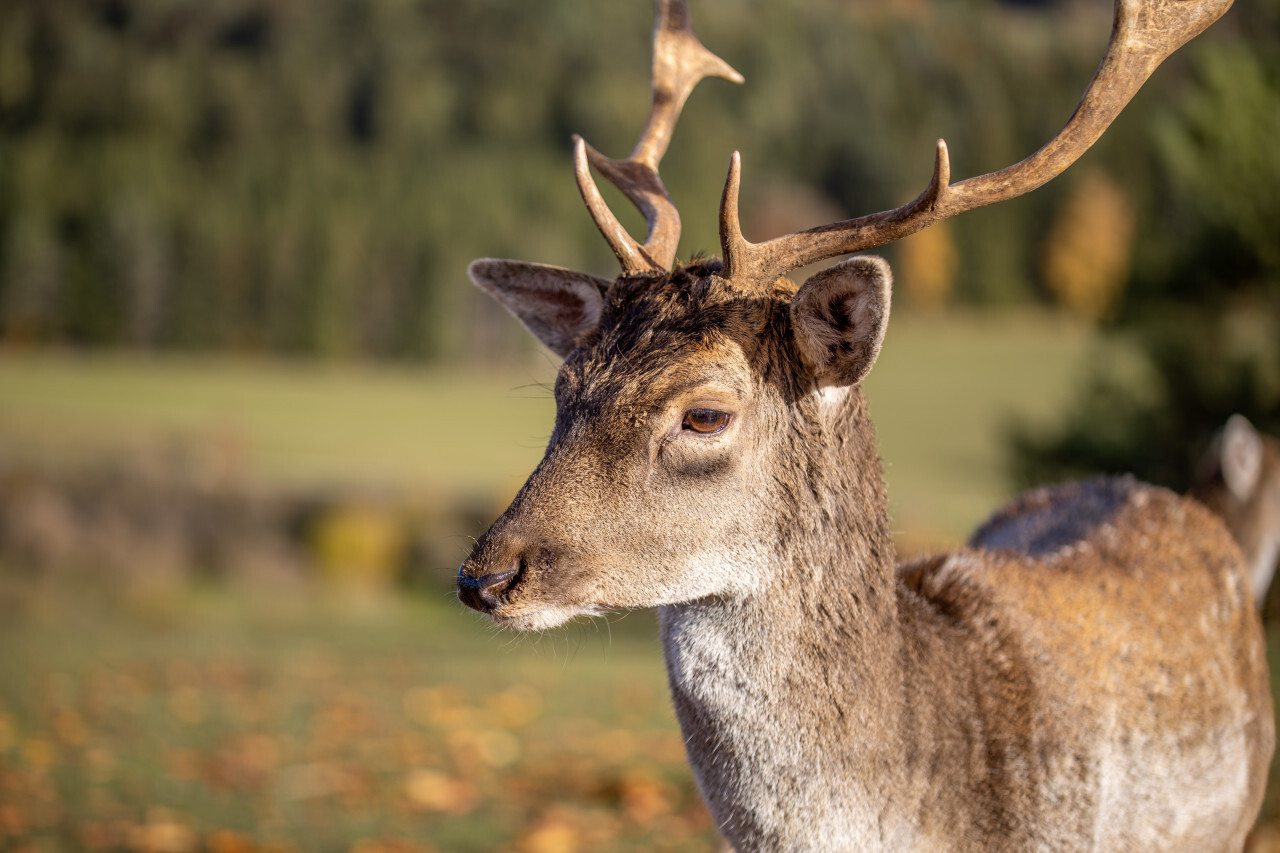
point(928, 261)
point(1089, 247)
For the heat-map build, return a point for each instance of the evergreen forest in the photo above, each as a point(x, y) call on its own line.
point(312, 178)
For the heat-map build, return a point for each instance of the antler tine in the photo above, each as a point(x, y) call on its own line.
point(1144, 34)
point(679, 63)
point(761, 263)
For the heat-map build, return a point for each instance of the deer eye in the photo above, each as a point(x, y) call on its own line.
point(704, 421)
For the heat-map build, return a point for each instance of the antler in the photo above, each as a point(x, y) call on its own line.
point(679, 62)
point(1143, 34)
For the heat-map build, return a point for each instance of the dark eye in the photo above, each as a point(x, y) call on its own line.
point(704, 421)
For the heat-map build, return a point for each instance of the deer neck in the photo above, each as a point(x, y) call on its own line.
point(764, 682)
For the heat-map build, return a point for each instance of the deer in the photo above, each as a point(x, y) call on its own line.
point(1087, 673)
point(1239, 479)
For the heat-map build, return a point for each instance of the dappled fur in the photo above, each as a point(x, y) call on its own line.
point(1087, 675)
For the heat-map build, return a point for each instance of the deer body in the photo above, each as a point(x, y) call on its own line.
point(964, 706)
point(1089, 674)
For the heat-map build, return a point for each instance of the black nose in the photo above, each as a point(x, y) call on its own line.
point(485, 592)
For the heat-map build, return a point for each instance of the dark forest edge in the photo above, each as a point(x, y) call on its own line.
point(275, 176)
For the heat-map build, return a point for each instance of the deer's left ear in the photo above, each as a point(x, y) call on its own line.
point(839, 318)
point(557, 305)
point(1240, 457)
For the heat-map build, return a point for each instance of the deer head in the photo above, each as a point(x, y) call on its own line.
point(708, 418)
point(1239, 479)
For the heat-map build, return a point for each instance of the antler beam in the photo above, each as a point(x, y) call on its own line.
point(679, 63)
point(1144, 34)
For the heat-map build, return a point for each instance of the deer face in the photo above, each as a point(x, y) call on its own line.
point(677, 411)
point(681, 389)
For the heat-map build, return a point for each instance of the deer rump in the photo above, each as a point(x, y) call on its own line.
point(1088, 674)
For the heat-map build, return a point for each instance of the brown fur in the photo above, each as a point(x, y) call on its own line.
point(1088, 675)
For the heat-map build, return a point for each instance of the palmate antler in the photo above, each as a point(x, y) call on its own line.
point(679, 63)
point(1143, 34)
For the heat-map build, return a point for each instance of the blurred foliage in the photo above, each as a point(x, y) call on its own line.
point(313, 177)
point(1087, 251)
point(927, 266)
point(197, 722)
point(1203, 302)
point(292, 177)
point(359, 546)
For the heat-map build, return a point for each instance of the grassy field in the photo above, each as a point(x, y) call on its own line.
point(289, 424)
point(313, 718)
point(940, 396)
point(206, 721)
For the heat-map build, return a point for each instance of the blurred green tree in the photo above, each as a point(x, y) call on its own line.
point(1203, 305)
point(313, 177)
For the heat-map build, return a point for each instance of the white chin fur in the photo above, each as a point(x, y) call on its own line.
point(540, 619)
point(830, 396)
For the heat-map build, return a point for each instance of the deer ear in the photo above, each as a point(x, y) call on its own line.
point(556, 305)
point(1241, 461)
point(839, 316)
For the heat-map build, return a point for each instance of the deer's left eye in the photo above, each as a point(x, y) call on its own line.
point(704, 421)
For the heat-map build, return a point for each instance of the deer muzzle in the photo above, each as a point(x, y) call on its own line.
point(498, 575)
point(487, 592)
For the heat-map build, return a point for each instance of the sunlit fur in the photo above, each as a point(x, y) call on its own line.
point(1087, 675)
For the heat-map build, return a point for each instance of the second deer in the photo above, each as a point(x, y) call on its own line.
point(1088, 675)
point(1239, 479)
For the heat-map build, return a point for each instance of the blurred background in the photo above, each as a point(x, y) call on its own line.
point(252, 412)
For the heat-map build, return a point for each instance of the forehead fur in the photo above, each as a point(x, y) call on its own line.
point(658, 332)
